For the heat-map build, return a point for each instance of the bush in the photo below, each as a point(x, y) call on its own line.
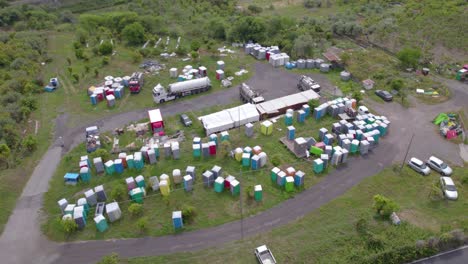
point(181, 51)
point(384, 206)
point(276, 160)
point(111, 259)
point(195, 45)
point(249, 191)
point(362, 226)
point(119, 193)
point(135, 209)
point(374, 242)
point(136, 57)
point(76, 77)
point(68, 226)
point(194, 54)
point(409, 57)
point(255, 9)
point(105, 48)
point(188, 213)
point(103, 153)
point(29, 143)
point(142, 224)
point(105, 60)
point(314, 103)
point(79, 53)
point(396, 84)
point(464, 179)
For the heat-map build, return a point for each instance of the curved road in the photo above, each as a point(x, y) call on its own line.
point(23, 242)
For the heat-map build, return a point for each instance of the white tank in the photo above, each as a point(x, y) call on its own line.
point(189, 85)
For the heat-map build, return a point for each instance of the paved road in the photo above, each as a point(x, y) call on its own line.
point(457, 256)
point(22, 242)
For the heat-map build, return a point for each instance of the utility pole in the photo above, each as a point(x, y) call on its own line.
point(240, 206)
point(407, 151)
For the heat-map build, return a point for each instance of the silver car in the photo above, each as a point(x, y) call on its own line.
point(448, 188)
point(439, 166)
point(419, 166)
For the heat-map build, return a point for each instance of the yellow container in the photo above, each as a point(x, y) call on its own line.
point(238, 154)
point(164, 188)
point(266, 128)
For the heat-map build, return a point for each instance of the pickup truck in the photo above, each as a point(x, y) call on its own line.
point(264, 255)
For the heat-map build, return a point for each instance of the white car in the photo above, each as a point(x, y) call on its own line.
point(448, 188)
point(362, 110)
point(419, 166)
point(439, 166)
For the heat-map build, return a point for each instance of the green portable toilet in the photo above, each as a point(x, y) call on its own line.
point(130, 161)
point(196, 150)
point(354, 146)
point(140, 181)
point(101, 223)
point(109, 167)
point(258, 193)
point(137, 195)
point(235, 187)
point(245, 159)
point(289, 185)
point(274, 174)
point(318, 165)
point(219, 184)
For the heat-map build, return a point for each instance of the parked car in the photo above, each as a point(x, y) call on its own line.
point(448, 188)
point(185, 120)
point(362, 110)
point(419, 166)
point(386, 96)
point(439, 166)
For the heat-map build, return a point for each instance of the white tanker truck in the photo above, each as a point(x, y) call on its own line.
point(180, 89)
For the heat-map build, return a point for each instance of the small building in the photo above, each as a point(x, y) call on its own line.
point(368, 84)
point(333, 56)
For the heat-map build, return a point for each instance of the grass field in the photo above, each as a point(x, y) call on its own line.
point(328, 235)
point(212, 208)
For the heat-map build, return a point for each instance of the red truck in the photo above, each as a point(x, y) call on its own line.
point(156, 122)
point(136, 82)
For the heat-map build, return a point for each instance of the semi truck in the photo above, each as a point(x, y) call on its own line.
point(247, 95)
point(180, 89)
point(264, 255)
point(136, 82)
point(307, 83)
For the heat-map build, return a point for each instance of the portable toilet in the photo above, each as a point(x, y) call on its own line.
point(281, 178)
point(318, 165)
point(299, 178)
point(188, 183)
point(130, 182)
point(289, 184)
point(290, 134)
point(177, 219)
point(249, 130)
point(288, 119)
point(190, 170)
point(118, 165)
point(98, 165)
point(217, 171)
point(245, 159)
point(306, 109)
point(266, 128)
point(109, 167)
point(235, 187)
point(238, 154)
point(113, 211)
point(224, 136)
point(85, 175)
point(71, 178)
point(177, 176)
point(130, 161)
point(291, 171)
point(140, 181)
point(301, 115)
point(255, 162)
point(164, 187)
point(227, 181)
point(84, 203)
point(165, 177)
point(258, 193)
point(62, 204)
point(137, 194)
point(101, 223)
point(196, 150)
point(219, 184)
point(214, 137)
point(208, 178)
point(274, 173)
point(154, 183)
point(212, 148)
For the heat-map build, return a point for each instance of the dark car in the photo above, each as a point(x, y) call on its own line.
point(185, 120)
point(386, 96)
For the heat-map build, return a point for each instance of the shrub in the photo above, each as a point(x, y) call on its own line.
point(136, 57)
point(188, 213)
point(103, 153)
point(362, 226)
point(276, 160)
point(135, 209)
point(76, 77)
point(464, 179)
point(195, 45)
point(249, 191)
point(68, 226)
point(142, 224)
point(105, 60)
point(384, 206)
point(105, 48)
point(374, 242)
point(409, 57)
point(111, 259)
point(181, 51)
point(194, 54)
point(255, 9)
point(314, 103)
point(29, 143)
point(119, 192)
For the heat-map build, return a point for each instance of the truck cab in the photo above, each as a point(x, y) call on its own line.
point(160, 94)
point(136, 82)
point(264, 255)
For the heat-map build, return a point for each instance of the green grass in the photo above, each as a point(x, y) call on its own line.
point(291, 8)
point(212, 208)
point(328, 235)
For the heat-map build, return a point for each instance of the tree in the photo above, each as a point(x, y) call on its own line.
point(248, 28)
point(357, 95)
point(255, 9)
point(5, 153)
point(103, 153)
point(303, 46)
point(135, 209)
point(79, 53)
point(396, 84)
point(68, 226)
point(195, 45)
point(105, 48)
point(111, 259)
point(29, 143)
point(134, 33)
point(384, 206)
point(409, 57)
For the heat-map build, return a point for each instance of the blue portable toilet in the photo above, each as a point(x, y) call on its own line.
point(306, 109)
point(255, 162)
point(291, 133)
point(93, 99)
point(177, 219)
point(118, 165)
point(71, 178)
point(301, 115)
point(299, 178)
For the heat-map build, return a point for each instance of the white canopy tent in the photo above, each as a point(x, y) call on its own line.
point(229, 118)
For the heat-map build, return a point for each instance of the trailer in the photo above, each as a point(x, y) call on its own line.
point(180, 89)
point(307, 83)
point(247, 95)
point(264, 255)
point(156, 121)
point(136, 82)
point(92, 139)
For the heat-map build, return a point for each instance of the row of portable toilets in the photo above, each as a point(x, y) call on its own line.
point(94, 198)
point(287, 179)
point(254, 157)
point(334, 107)
point(209, 148)
point(113, 88)
point(188, 73)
